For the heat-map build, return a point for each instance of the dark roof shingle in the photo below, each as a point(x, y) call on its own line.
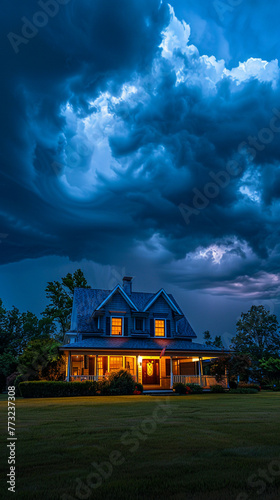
point(143, 344)
point(86, 300)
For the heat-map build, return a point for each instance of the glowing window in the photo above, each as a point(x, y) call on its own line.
point(159, 328)
point(129, 365)
point(116, 328)
point(116, 363)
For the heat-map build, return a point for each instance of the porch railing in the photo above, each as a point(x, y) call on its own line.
point(204, 380)
point(91, 378)
point(81, 378)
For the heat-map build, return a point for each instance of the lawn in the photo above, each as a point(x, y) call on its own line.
point(200, 447)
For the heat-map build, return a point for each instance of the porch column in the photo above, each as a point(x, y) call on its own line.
point(69, 367)
point(171, 372)
point(199, 371)
point(201, 368)
point(227, 378)
point(137, 372)
point(97, 367)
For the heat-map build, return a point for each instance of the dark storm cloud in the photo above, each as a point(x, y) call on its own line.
point(82, 48)
point(104, 137)
point(233, 29)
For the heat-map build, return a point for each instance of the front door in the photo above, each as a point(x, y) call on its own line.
point(91, 363)
point(150, 369)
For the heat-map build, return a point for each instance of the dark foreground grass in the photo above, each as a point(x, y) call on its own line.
point(205, 447)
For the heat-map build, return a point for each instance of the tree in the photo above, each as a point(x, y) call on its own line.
point(233, 365)
point(257, 336)
point(16, 331)
point(270, 368)
point(42, 360)
point(217, 342)
point(60, 295)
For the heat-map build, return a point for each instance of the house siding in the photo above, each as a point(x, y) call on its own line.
point(160, 306)
point(117, 303)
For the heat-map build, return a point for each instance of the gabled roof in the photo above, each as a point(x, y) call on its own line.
point(167, 298)
point(88, 300)
point(118, 288)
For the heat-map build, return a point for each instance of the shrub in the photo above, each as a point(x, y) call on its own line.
point(266, 387)
point(232, 384)
point(244, 385)
point(103, 387)
point(195, 388)
point(14, 380)
point(272, 385)
point(52, 389)
point(138, 387)
point(121, 383)
point(243, 390)
point(17, 381)
point(276, 386)
point(217, 388)
point(179, 388)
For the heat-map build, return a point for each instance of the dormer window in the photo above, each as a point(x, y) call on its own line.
point(116, 326)
point(139, 324)
point(159, 328)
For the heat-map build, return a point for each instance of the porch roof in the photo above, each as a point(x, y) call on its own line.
point(147, 344)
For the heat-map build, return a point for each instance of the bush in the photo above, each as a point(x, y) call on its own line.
point(103, 387)
point(14, 380)
point(232, 384)
point(52, 389)
point(138, 387)
point(121, 383)
point(17, 381)
point(217, 388)
point(243, 390)
point(195, 388)
point(275, 384)
point(179, 388)
point(244, 385)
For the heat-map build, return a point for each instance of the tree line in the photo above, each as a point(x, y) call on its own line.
point(254, 350)
point(29, 344)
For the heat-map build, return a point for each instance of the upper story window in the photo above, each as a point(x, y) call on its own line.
point(159, 328)
point(139, 324)
point(116, 326)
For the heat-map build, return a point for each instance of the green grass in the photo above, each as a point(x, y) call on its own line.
point(206, 448)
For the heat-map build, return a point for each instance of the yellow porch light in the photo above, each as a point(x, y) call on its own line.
point(140, 360)
point(195, 359)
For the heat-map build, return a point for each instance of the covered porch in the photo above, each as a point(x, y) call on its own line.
point(153, 371)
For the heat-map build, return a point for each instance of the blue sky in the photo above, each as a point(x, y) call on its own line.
point(142, 138)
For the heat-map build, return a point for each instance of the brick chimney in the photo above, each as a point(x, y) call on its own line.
point(127, 284)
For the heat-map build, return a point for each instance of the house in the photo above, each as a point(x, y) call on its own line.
point(145, 333)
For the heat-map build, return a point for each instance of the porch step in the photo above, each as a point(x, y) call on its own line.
point(159, 392)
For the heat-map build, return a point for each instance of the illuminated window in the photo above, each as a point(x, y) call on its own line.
point(102, 365)
point(129, 365)
point(116, 363)
point(159, 328)
point(116, 328)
